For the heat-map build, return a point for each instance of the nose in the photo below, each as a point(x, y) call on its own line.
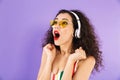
point(57, 26)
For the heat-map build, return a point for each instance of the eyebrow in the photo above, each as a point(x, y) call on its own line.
point(56, 19)
point(65, 19)
point(62, 19)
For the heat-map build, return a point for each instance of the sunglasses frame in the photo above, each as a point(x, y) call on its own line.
point(62, 23)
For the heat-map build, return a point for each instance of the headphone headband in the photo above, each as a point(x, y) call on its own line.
point(77, 32)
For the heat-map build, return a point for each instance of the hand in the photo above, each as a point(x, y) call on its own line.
point(78, 55)
point(50, 51)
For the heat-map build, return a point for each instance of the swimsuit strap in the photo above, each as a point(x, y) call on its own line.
point(75, 67)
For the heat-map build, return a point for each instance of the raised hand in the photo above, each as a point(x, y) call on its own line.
point(50, 51)
point(78, 55)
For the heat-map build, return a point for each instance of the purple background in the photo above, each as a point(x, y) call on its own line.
point(24, 22)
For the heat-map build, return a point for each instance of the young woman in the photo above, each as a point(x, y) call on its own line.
point(70, 50)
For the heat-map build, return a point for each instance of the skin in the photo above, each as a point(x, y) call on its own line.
point(54, 61)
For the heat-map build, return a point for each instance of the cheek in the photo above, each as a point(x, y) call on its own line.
point(67, 34)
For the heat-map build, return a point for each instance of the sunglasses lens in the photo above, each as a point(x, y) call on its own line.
point(63, 24)
point(53, 22)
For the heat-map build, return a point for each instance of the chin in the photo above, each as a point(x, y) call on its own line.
point(57, 44)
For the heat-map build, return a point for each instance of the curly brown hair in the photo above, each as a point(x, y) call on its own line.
point(88, 39)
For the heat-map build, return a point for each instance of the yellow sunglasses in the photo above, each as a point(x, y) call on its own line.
point(62, 23)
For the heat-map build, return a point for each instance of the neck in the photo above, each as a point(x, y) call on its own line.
point(66, 49)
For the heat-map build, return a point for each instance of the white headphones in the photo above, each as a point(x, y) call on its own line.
point(77, 31)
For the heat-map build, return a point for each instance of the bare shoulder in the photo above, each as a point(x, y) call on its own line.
point(89, 60)
point(84, 68)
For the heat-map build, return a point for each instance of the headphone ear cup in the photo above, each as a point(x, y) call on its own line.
point(76, 33)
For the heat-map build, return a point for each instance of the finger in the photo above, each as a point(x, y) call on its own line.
point(49, 46)
point(77, 51)
point(80, 48)
point(84, 54)
point(52, 45)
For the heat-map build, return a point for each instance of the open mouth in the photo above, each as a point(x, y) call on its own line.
point(56, 35)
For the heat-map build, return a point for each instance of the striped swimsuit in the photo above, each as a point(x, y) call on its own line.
point(59, 75)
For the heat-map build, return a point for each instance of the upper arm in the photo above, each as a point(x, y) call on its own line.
point(42, 64)
point(84, 69)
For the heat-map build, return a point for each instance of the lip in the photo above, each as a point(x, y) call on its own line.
point(56, 31)
point(56, 35)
